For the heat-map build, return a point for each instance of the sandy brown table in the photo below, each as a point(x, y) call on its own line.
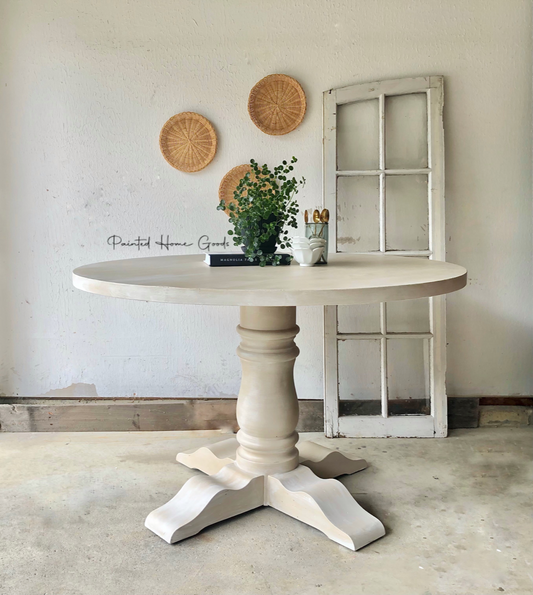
point(264, 465)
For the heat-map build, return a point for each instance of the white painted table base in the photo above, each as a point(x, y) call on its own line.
point(263, 466)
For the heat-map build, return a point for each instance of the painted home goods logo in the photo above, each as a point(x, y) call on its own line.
point(145, 243)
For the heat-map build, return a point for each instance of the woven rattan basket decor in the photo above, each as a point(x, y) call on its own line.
point(230, 182)
point(188, 141)
point(277, 104)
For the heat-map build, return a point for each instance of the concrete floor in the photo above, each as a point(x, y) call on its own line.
point(457, 513)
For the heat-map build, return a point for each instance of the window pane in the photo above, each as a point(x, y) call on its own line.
point(406, 144)
point(407, 214)
point(408, 376)
point(408, 316)
point(360, 377)
point(358, 319)
point(357, 213)
point(358, 135)
point(359, 407)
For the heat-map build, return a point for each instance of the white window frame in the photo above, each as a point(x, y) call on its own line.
point(435, 424)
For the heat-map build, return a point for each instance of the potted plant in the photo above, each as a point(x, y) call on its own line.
point(263, 209)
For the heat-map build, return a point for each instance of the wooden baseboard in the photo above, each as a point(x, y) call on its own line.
point(489, 411)
point(73, 414)
point(125, 415)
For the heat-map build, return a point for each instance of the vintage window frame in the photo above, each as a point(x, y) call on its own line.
point(434, 424)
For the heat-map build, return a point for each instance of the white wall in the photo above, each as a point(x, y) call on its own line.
point(85, 88)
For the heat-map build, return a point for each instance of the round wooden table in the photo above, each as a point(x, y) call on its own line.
point(264, 465)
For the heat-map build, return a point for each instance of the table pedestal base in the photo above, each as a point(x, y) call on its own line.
point(264, 466)
point(322, 461)
point(302, 493)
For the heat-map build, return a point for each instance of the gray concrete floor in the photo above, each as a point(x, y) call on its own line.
point(457, 513)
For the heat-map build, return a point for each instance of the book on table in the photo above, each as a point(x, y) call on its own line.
point(238, 259)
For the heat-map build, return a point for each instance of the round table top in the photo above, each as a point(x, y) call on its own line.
point(346, 279)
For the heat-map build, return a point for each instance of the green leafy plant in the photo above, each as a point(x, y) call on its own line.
point(264, 207)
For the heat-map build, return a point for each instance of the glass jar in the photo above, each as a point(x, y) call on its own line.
point(318, 230)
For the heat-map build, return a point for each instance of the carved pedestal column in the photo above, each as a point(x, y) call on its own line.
point(267, 409)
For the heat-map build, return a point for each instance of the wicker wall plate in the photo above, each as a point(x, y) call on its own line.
point(188, 141)
point(277, 104)
point(229, 184)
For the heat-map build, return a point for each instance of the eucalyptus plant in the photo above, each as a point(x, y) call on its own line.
point(264, 207)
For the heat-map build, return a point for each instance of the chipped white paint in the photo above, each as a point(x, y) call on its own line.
point(402, 133)
point(85, 91)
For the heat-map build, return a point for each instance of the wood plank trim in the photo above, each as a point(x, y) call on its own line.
point(364, 91)
point(506, 401)
point(163, 414)
point(381, 335)
point(377, 172)
point(126, 415)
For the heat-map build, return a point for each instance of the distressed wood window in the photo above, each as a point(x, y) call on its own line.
point(384, 180)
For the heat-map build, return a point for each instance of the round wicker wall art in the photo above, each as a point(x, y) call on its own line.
point(277, 104)
point(188, 141)
point(230, 182)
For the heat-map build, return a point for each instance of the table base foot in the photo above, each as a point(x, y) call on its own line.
point(211, 458)
point(324, 462)
point(205, 500)
point(324, 504)
point(327, 463)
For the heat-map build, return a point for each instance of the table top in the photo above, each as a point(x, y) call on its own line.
point(346, 279)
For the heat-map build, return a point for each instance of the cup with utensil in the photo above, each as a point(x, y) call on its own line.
point(316, 227)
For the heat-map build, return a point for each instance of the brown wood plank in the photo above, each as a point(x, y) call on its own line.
point(74, 414)
point(506, 401)
point(115, 415)
point(463, 412)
